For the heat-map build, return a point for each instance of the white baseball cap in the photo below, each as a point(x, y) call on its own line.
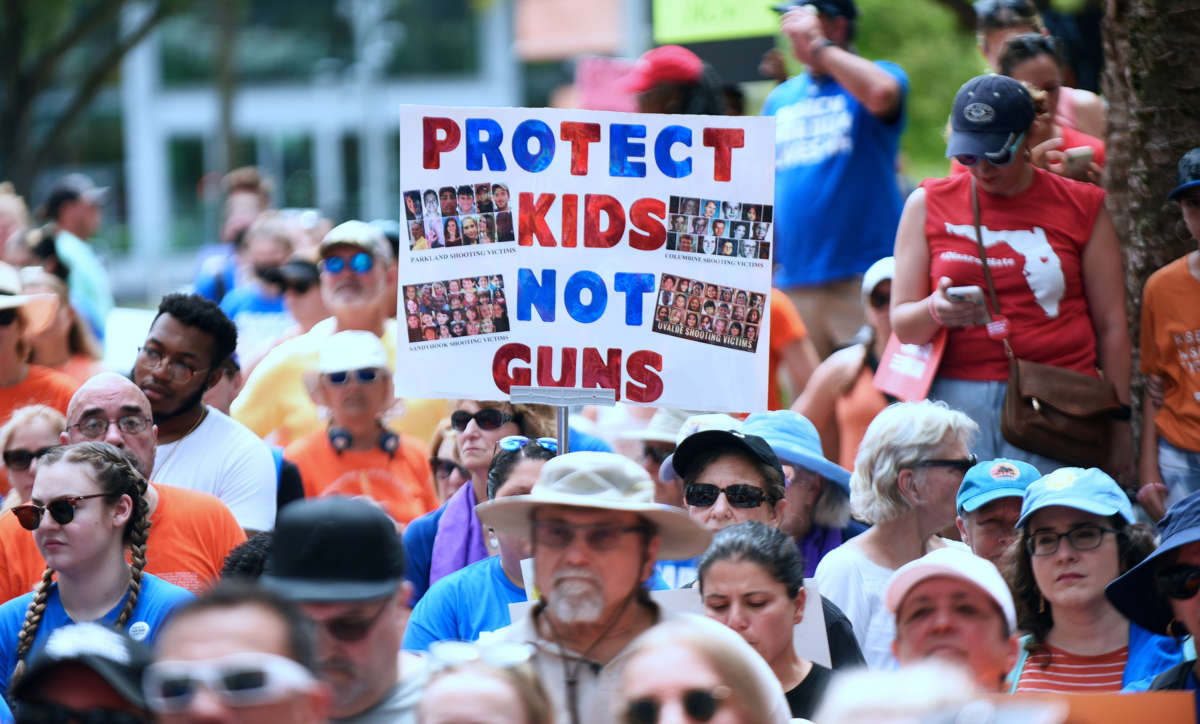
point(951, 562)
point(352, 350)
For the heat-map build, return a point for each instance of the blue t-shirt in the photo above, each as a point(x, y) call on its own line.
point(836, 200)
point(217, 275)
point(418, 551)
point(155, 602)
point(463, 605)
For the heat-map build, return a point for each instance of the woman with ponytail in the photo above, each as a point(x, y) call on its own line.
point(88, 504)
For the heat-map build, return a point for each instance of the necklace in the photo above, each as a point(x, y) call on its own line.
point(571, 673)
point(179, 442)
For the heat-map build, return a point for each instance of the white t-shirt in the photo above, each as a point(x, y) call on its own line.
point(222, 457)
point(856, 584)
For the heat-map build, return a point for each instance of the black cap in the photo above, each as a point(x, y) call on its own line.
point(831, 8)
point(71, 187)
point(684, 457)
point(334, 549)
point(113, 655)
point(1134, 593)
point(296, 271)
point(990, 112)
point(1189, 173)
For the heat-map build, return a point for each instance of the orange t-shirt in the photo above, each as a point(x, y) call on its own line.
point(401, 483)
point(1171, 349)
point(42, 386)
point(786, 327)
point(190, 535)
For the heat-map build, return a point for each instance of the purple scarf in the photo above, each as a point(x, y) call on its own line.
point(459, 539)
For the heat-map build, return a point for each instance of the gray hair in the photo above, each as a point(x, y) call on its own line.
point(902, 434)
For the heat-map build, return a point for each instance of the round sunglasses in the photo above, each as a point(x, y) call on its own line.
point(488, 418)
point(364, 376)
point(359, 263)
point(698, 704)
point(704, 495)
point(62, 510)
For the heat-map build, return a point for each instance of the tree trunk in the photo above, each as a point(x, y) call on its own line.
point(1152, 86)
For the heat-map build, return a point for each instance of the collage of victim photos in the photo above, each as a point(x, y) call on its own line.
point(721, 228)
point(453, 308)
point(461, 215)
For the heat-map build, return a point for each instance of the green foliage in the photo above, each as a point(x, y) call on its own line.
point(921, 36)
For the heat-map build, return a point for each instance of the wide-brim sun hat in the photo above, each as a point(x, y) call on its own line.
point(37, 310)
point(796, 441)
point(1090, 490)
point(1134, 593)
point(598, 481)
point(663, 426)
point(990, 112)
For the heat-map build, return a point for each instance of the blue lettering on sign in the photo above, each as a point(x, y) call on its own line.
point(573, 296)
point(532, 293)
point(478, 148)
point(668, 137)
point(634, 286)
point(622, 151)
point(533, 129)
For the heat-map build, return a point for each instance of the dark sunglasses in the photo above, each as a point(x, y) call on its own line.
point(960, 464)
point(1178, 582)
point(351, 630)
point(1003, 157)
point(698, 704)
point(62, 510)
point(655, 454)
point(8, 316)
point(20, 460)
point(516, 442)
point(879, 299)
point(443, 468)
point(298, 286)
point(600, 538)
point(359, 263)
point(50, 713)
point(488, 418)
point(364, 376)
point(704, 495)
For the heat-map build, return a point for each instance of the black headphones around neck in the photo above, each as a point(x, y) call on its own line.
point(341, 440)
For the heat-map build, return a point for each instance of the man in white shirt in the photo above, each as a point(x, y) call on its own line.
point(199, 447)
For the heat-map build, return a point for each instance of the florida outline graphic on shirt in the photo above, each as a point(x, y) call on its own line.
point(1043, 269)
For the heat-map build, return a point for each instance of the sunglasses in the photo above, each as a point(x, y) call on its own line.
point(654, 454)
point(600, 538)
point(698, 704)
point(880, 299)
point(960, 464)
point(242, 679)
point(704, 495)
point(364, 376)
point(499, 654)
point(359, 263)
point(443, 468)
point(8, 316)
point(516, 442)
point(488, 418)
point(1003, 157)
point(20, 460)
point(50, 713)
point(62, 510)
point(1178, 582)
point(350, 630)
point(297, 286)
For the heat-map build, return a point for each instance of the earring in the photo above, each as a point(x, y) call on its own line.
point(1041, 603)
point(493, 541)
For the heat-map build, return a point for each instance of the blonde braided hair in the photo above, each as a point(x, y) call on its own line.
point(115, 476)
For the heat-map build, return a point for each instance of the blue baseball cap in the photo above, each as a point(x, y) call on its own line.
point(994, 479)
point(1091, 491)
point(1189, 173)
point(990, 113)
point(1134, 594)
point(796, 441)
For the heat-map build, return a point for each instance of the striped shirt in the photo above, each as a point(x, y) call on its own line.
point(1051, 669)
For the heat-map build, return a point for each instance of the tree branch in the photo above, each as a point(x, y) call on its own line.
point(92, 84)
point(41, 68)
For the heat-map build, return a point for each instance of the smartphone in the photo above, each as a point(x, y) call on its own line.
point(1078, 159)
point(973, 294)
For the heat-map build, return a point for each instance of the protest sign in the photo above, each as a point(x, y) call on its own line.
point(586, 249)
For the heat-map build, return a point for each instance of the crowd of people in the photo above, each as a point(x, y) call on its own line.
point(249, 526)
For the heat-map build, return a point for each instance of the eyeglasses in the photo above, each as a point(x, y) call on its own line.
point(960, 464)
point(1082, 538)
point(489, 418)
point(698, 704)
point(704, 495)
point(20, 460)
point(94, 428)
point(443, 468)
point(600, 538)
point(365, 376)
point(1178, 582)
point(62, 510)
point(52, 713)
point(8, 316)
point(359, 263)
point(516, 442)
point(349, 630)
point(1003, 157)
point(177, 370)
point(243, 679)
point(655, 454)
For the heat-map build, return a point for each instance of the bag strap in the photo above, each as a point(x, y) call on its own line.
point(987, 271)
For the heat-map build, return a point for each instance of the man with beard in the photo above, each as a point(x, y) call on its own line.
point(199, 447)
point(595, 534)
point(358, 273)
point(342, 561)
